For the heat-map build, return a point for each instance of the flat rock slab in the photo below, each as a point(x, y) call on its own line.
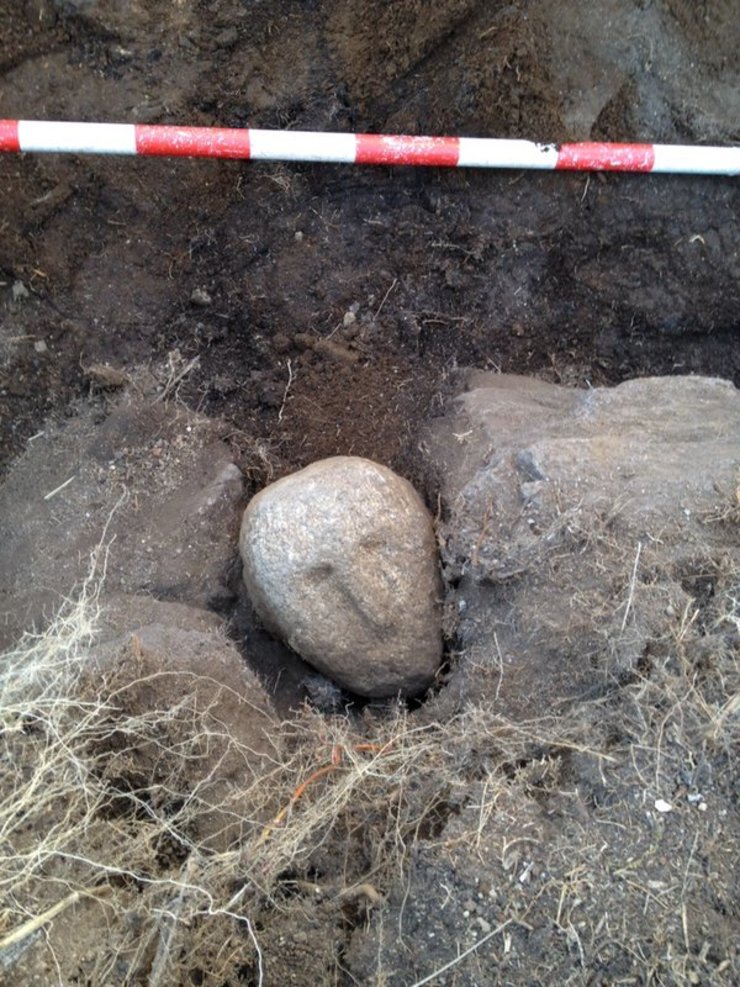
point(153, 481)
point(340, 561)
point(583, 527)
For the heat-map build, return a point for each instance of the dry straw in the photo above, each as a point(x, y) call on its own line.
point(108, 810)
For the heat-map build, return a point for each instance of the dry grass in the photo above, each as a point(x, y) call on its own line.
point(103, 811)
point(78, 820)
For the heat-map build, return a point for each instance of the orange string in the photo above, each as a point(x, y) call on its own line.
point(326, 769)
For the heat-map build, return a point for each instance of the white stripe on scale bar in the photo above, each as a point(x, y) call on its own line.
point(482, 152)
point(696, 160)
point(301, 145)
point(84, 138)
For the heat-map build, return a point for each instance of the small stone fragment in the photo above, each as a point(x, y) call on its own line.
point(227, 38)
point(200, 298)
point(340, 561)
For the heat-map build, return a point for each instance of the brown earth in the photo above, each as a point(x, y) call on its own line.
point(316, 310)
point(575, 278)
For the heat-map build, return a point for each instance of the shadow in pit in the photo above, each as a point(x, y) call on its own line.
point(288, 679)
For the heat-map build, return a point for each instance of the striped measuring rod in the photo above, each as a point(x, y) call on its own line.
point(250, 144)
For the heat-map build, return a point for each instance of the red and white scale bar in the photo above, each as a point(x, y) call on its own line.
point(295, 145)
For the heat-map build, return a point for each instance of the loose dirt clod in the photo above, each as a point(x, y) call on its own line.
point(105, 377)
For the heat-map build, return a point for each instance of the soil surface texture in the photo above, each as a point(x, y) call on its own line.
point(176, 334)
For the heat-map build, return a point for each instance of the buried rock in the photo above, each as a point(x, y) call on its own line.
point(340, 561)
point(199, 728)
point(591, 534)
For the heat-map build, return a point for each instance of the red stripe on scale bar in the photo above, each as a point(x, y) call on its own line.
point(595, 156)
point(406, 150)
point(201, 142)
point(9, 135)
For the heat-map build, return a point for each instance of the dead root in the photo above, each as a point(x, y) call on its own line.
point(335, 817)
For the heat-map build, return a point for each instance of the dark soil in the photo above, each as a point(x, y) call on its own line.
point(575, 278)
point(241, 273)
